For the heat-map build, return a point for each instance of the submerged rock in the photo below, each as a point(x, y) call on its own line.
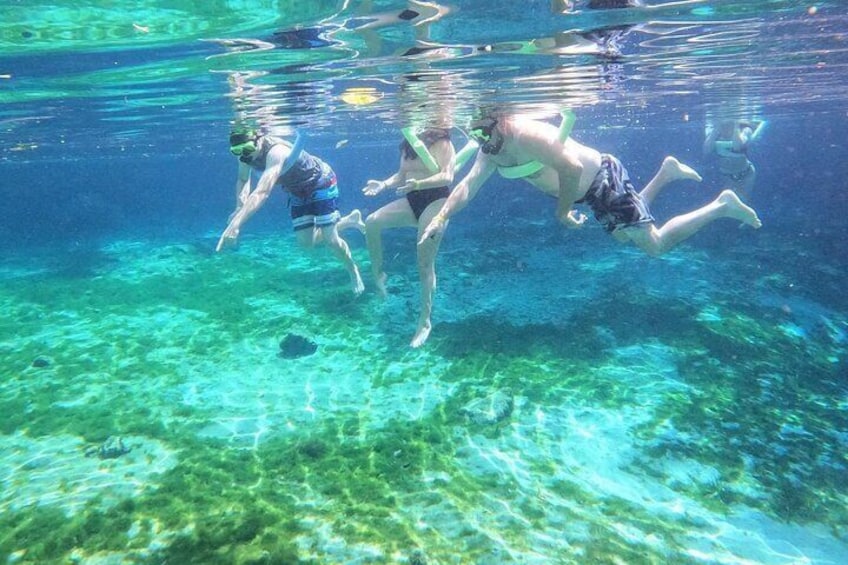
point(41, 362)
point(491, 409)
point(293, 346)
point(417, 557)
point(112, 448)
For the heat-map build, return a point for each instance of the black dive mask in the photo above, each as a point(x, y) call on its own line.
point(243, 146)
point(484, 134)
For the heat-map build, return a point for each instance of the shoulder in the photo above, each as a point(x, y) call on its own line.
point(277, 151)
point(531, 129)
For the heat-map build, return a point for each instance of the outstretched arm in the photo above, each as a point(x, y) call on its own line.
point(374, 187)
point(461, 195)
point(242, 188)
point(273, 165)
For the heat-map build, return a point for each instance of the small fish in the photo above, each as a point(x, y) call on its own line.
point(341, 143)
point(23, 146)
point(142, 29)
point(5, 76)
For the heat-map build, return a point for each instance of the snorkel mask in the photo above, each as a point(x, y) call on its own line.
point(483, 136)
point(243, 145)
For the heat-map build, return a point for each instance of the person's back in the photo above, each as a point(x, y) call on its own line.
point(524, 136)
point(307, 174)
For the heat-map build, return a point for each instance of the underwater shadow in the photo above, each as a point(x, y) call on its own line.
point(80, 263)
point(615, 318)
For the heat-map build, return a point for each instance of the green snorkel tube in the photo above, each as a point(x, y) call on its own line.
point(420, 149)
point(464, 154)
point(531, 167)
point(758, 131)
point(567, 123)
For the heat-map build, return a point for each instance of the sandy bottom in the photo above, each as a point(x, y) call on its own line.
point(684, 410)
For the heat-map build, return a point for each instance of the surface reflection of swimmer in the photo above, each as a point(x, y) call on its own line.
point(571, 6)
point(365, 22)
point(575, 5)
point(602, 41)
point(605, 41)
point(729, 140)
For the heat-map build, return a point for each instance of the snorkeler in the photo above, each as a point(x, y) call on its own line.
point(729, 141)
point(574, 173)
point(423, 179)
point(313, 194)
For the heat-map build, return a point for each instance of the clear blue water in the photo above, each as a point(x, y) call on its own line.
point(689, 409)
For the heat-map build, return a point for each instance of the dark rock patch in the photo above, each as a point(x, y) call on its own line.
point(41, 362)
point(293, 346)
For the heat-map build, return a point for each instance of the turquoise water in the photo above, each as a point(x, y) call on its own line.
point(577, 401)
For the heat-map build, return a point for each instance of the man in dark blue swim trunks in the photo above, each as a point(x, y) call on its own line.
point(313, 193)
point(518, 147)
point(424, 189)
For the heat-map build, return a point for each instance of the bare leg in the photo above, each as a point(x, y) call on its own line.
point(426, 273)
point(656, 241)
point(352, 220)
point(392, 215)
point(670, 171)
point(308, 238)
point(745, 186)
point(341, 250)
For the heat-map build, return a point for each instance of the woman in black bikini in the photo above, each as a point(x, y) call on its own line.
point(422, 180)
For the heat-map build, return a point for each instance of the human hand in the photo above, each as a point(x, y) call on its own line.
point(572, 219)
point(436, 227)
point(374, 187)
point(410, 186)
point(228, 238)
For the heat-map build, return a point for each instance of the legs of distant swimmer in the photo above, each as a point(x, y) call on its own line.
point(656, 241)
point(393, 215)
point(744, 186)
point(670, 171)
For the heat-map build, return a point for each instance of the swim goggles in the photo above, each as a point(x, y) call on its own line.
point(243, 149)
point(483, 134)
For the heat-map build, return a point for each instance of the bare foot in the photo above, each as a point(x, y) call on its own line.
point(352, 220)
point(675, 170)
point(421, 335)
point(736, 209)
point(380, 282)
point(356, 282)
